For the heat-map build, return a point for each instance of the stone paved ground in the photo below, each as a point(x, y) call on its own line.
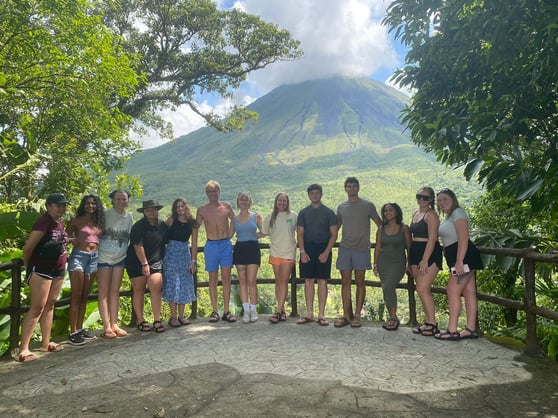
point(283, 370)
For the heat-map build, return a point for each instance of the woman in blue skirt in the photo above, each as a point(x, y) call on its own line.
point(178, 266)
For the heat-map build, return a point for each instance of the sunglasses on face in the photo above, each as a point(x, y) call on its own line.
point(422, 197)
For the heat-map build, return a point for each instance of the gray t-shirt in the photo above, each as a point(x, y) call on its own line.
point(317, 223)
point(447, 231)
point(354, 217)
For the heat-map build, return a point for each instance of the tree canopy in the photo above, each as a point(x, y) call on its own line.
point(189, 48)
point(485, 77)
point(76, 75)
point(62, 75)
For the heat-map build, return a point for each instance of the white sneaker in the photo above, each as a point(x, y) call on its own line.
point(246, 316)
point(253, 316)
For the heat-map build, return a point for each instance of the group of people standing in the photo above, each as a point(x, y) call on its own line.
point(158, 255)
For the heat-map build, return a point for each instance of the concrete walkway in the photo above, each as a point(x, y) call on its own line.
point(283, 370)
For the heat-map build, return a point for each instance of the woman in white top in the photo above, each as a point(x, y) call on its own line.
point(280, 225)
point(463, 259)
point(112, 259)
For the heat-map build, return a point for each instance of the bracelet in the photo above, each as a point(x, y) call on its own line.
point(302, 252)
point(146, 264)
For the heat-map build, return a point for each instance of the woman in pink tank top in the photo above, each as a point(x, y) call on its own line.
point(85, 232)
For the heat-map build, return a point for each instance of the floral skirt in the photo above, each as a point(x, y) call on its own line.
point(178, 281)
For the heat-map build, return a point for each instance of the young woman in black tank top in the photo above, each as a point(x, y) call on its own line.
point(425, 256)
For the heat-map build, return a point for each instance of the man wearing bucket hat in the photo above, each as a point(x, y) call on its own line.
point(144, 263)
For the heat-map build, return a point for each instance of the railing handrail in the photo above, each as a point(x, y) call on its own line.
point(529, 255)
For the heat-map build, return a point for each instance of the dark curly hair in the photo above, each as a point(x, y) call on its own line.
point(98, 215)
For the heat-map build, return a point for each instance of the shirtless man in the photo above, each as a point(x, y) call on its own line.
point(217, 216)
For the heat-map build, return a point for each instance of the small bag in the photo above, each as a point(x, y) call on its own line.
point(51, 249)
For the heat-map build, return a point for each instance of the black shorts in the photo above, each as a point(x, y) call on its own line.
point(315, 269)
point(246, 252)
point(472, 257)
point(417, 251)
point(44, 272)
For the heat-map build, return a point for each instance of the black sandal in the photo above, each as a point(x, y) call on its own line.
point(214, 317)
point(391, 325)
point(282, 316)
point(144, 327)
point(448, 336)
point(158, 327)
point(227, 316)
point(427, 329)
point(274, 319)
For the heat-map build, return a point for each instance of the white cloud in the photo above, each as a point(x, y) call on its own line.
point(338, 37)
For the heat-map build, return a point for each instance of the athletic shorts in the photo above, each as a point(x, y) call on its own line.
point(315, 269)
point(45, 273)
point(417, 251)
point(218, 253)
point(472, 257)
point(247, 252)
point(84, 261)
point(135, 271)
point(111, 266)
point(349, 259)
point(277, 261)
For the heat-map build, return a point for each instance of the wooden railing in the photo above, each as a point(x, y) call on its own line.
point(529, 256)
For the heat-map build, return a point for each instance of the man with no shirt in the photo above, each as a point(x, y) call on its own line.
point(217, 216)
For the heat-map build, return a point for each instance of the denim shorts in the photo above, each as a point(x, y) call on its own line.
point(111, 266)
point(84, 261)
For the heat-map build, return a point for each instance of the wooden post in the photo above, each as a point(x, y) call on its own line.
point(412, 301)
point(532, 346)
point(294, 303)
point(15, 316)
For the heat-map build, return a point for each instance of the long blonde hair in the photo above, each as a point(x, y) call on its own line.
point(276, 209)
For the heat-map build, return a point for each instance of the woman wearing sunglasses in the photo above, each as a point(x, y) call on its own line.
point(425, 256)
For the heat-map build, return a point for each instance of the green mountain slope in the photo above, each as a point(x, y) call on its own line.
point(317, 131)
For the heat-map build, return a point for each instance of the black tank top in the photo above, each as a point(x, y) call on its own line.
point(419, 229)
point(180, 231)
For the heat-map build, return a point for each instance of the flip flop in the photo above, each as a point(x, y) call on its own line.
point(52, 348)
point(108, 335)
point(26, 356)
point(343, 322)
point(120, 333)
point(304, 320)
point(323, 322)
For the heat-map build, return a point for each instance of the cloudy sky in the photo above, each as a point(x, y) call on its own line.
point(338, 37)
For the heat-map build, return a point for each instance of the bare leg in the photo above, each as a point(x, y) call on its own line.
point(346, 276)
point(242, 271)
point(138, 289)
point(87, 281)
point(322, 297)
point(103, 287)
point(114, 297)
point(471, 304)
point(40, 290)
point(424, 290)
point(155, 285)
point(48, 311)
point(213, 279)
point(77, 280)
point(226, 280)
point(309, 296)
point(282, 275)
point(251, 276)
point(360, 292)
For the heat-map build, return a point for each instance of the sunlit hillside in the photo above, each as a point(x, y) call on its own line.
point(317, 131)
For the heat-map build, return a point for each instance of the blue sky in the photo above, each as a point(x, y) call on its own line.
point(338, 37)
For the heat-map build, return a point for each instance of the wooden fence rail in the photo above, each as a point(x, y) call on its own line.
point(528, 304)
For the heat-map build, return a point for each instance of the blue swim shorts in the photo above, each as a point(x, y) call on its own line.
point(218, 253)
